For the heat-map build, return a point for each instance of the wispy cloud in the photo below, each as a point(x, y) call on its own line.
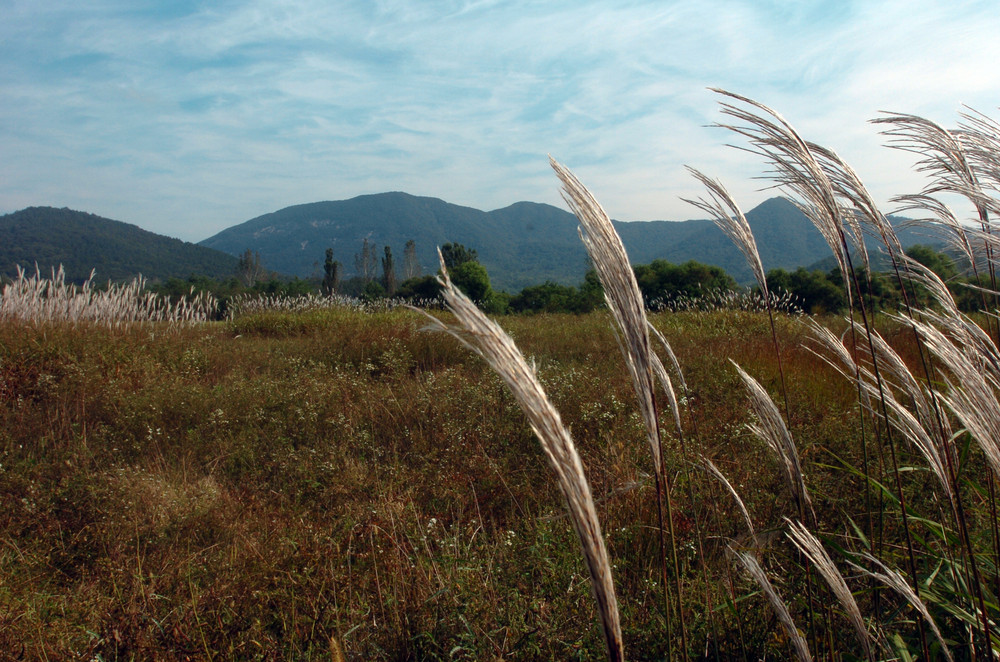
point(188, 117)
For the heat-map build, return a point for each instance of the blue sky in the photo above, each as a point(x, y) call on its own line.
point(187, 117)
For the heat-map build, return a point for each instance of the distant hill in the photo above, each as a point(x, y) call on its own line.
point(520, 245)
point(82, 242)
point(524, 244)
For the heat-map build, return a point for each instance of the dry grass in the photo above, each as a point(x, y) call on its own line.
point(487, 339)
point(39, 300)
point(757, 573)
point(333, 483)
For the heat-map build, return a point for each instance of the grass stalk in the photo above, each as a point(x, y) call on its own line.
point(752, 568)
point(486, 338)
point(624, 299)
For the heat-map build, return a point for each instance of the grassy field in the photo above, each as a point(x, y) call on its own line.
point(334, 482)
point(260, 488)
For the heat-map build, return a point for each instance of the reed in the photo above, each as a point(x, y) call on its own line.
point(486, 338)
point(36, 299)
point(621, 292)
point(835, 199)
point(927, 382)
point(752, 568)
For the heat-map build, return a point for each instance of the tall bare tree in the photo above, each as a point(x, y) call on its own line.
point(250, 268)
point(366, 262)
point(411, 267)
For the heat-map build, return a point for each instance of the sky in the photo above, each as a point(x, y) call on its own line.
point(187, 117)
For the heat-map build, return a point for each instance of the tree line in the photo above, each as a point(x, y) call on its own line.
point(663, 284)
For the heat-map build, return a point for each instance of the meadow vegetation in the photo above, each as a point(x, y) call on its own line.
point(252, 489)
point(334, 481)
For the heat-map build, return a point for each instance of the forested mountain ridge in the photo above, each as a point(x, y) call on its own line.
point(82, 242)
point(524, 244)
point(520, 245)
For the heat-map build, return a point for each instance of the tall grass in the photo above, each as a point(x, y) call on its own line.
point(488, 340)
point(311, 480)
point(253, 303)
point(832, 195)
point(36, 299)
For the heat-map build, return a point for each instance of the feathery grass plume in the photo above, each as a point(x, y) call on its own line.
point(953, 162)
point(714, 470)
point(757, 573)
point(942, 156)
point(969, 393)
point(976, 344)
point(851, 219)
point(965, 334)
point(674, 363)
point(621, 291)
point(36, 300)
point(898, 583)
point(825, 338)
point(728, 217)
point(930, 447)
point(809, 545)
point(922, 275)
point(913, 428)
point(487, 339)
point(840, 359)
point(955, 234)
point(668, 389)
point(771, 429)
point(899, 377)
point(980, 136)
point(795, 167)
point(848, 185)
point(624, 299)
point(664, 378)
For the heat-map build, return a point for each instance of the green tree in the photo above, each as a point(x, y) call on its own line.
point(662, 281)
point(472, 279)
point(939, 263)
point(967, 298)
point(421, 289)
point(388, 273)
point(331, 274)
point(548, 297)
point(411, 267)
point(290, 288)
point(814, 291)
point(455, 255)
point(365, 262)
point(554, 298)
point(591, 291)
point(373, 290)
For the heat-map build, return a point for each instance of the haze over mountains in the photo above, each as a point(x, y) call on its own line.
point(524, 244)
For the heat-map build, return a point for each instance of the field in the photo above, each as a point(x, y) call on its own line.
point(258, 488)
point(338, 482)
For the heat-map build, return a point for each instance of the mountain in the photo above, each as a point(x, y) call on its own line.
point(524, 244)
point(118, 251)
point(520, 245)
